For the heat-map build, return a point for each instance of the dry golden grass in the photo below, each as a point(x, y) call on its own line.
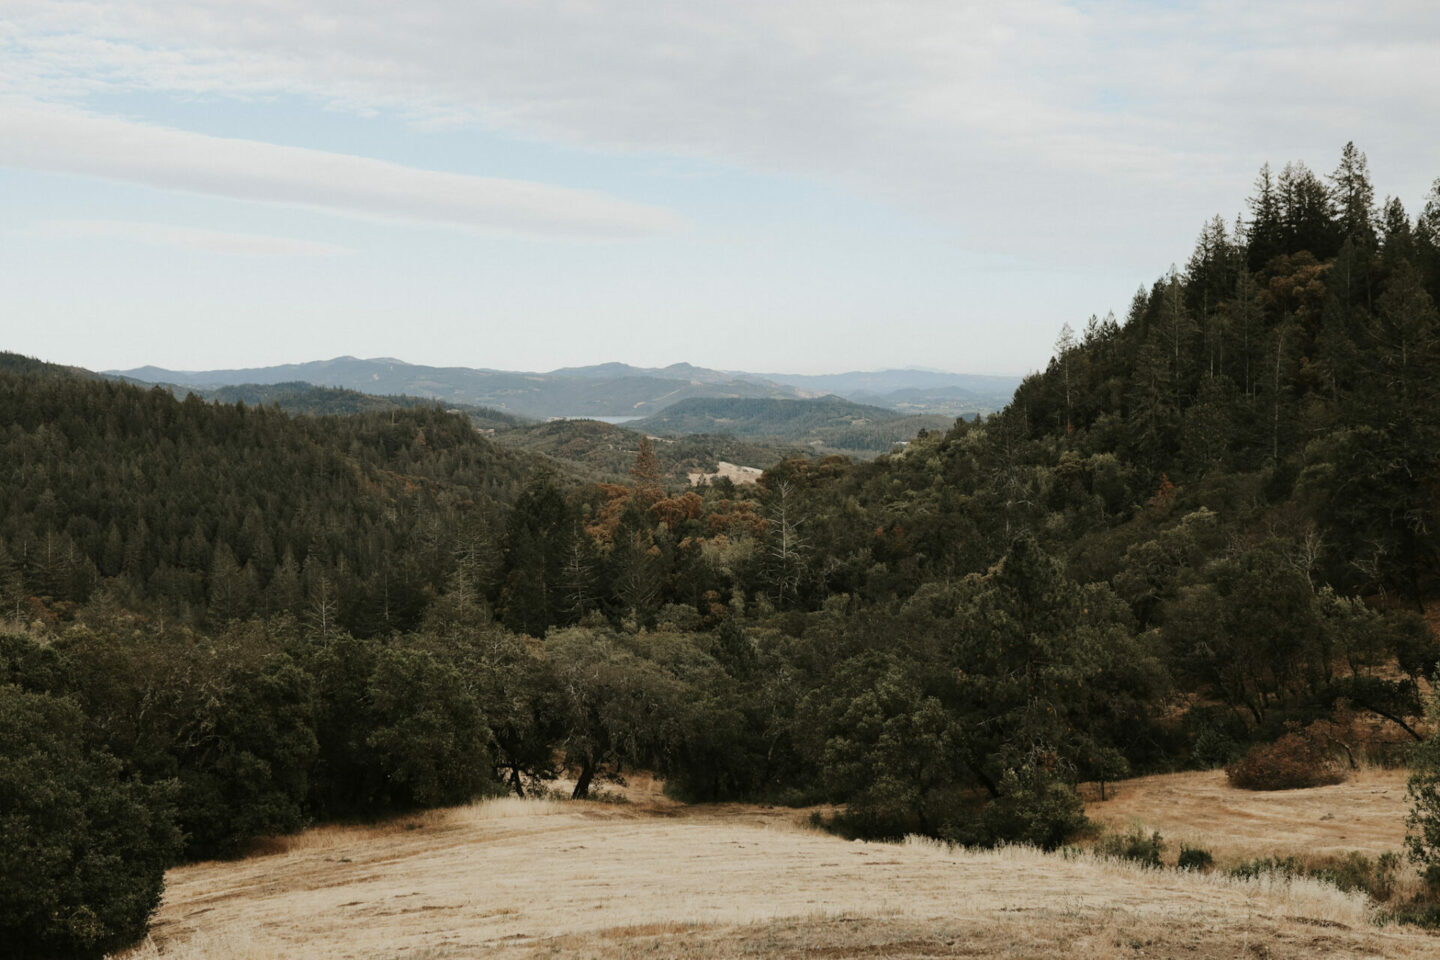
point(731, 471)
point(1366, 813)
point(528, 878)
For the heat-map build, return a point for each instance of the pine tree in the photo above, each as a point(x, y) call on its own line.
point(1265, 236)
point(786, 548)
point(1065, 347)
point(648, 485)
point(1307, 213)
point(1397, 240)
point(12, 585)
point(1427, 242)
point(286, 592)
point(1178, 329)
point(1244, 323)
point(1209, 279)
point(1354, 198)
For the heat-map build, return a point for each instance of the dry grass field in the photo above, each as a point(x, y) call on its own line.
point(1365, 813)
point(513, 878)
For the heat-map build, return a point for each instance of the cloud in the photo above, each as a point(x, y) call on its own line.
point(1048, 122)
point(66, 140)
point(213, 241)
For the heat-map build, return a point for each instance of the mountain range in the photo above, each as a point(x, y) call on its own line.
point(606, 390)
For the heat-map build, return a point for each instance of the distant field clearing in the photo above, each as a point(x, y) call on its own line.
point(521, 878)
point(729, 471)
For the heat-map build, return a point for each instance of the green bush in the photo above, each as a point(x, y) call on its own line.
point(1350, 872)
point(1422, 824)
point(82, 862)
point(1134, 846)
point(250, 776)
point(1033, 808)
point(1212, 748)
point(1279, 866)
point(1355, 871)
point(1194, 858)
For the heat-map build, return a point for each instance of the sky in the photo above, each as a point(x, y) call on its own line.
point(804, 187)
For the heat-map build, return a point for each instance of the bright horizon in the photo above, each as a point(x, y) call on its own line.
point(744, 186)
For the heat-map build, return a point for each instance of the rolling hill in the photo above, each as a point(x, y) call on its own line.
point(911, 391)
point(518, 878)
point(828, 423)
point(609, 391)
point(604, 390)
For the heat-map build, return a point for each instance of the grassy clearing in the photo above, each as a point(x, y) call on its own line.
point(1365, 813)
point(542, 878)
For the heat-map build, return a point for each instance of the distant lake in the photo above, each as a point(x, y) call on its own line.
point(587, 416)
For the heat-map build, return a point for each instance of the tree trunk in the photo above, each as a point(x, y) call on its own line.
point(582, 785)
point(984, 779)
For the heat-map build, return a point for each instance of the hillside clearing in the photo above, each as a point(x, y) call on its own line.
point(730, 471)
point(530, 878)
point(1365, 813)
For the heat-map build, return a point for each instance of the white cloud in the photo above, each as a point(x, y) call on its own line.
point(65, 140)
point(213, 241)
point(1029, 123)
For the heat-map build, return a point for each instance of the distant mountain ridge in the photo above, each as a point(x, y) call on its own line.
point(605, 390)
point(878, 383)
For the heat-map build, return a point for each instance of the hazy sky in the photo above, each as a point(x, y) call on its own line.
point(807, 187)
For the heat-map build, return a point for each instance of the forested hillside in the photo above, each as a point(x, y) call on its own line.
point(910, 391)
point(215, 512)
point(305, 398)
point(601, 451)
point(825, 425)
point(1206, 525)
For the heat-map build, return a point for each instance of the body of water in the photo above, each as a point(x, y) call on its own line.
point(586, 416)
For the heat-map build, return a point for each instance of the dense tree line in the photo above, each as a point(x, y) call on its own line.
point(216, 512)
point(1200, 523)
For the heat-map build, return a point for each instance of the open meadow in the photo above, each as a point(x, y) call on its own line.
point(554, 878)
point(1365, 813)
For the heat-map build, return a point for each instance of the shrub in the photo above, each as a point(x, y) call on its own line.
point(1212, 748)
point(1279, 866)
point(1418, 912)
point(1422, 824)
point(1033, 808)
point(1194, 858)
point(1134, 846)
point(1353, 871)
point(83, 859)
point(1292, 762)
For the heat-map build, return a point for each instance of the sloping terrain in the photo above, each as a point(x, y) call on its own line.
point(909, 391)
point(532, 878)
point(824, 425)
point(607, 389)
point(1365, 813)
point(608, 392)
point(604, 451)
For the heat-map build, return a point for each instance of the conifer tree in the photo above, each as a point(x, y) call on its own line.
point(1265, 236)
point(1354, 198)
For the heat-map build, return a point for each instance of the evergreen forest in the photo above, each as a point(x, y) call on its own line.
point(1208, 523)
